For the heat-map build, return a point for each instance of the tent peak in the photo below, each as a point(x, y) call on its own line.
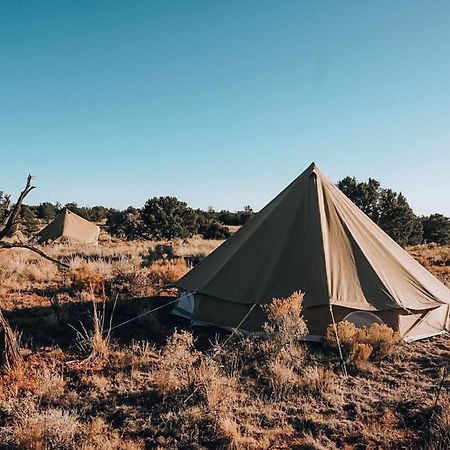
point(313, 169)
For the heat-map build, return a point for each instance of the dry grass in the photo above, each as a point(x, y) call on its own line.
point(179, 397)
point(360, 354)
point(439, 425)
point(383, 339)
point(32, 427)
point(378, 339)
point(255, 392)
point(319, 380)
point(26, 280)
point(84, 279)
point(237, 437)
point(36, 428)
point(435, 258)
point(167, 272)
point(285, 320)
point(174, 371)
point(49, 383)
point(96, 342)
point(282, 377)
point(98, 435)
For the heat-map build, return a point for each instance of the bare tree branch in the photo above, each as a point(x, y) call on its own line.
point(33, 249)
point(10, 218)
point(16, 208)
point(6, 211)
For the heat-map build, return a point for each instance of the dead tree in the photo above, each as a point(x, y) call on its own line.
point(9, 219)
point(10, 357)
point(10, 214)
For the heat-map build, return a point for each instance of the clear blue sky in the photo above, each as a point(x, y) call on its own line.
point(223, 103)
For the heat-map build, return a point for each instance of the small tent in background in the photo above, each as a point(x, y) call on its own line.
point(67, 226)
point(312, 238)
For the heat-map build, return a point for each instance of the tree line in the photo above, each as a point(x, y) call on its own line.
point(391, 212)
point(166, 218)
point(161, 218)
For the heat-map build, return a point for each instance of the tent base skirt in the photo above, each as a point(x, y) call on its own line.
point(212, 311)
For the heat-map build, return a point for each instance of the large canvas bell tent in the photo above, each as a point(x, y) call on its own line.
point(312, 238)
point(68, 226)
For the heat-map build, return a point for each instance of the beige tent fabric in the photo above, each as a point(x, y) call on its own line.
point(312, 238)
point(224, 314)
point(386, 274)
point(424, 324)
point(69, 226)
point(278, 251)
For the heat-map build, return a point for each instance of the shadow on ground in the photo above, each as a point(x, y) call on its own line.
point(43, 326)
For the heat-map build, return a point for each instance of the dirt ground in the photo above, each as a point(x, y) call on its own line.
point(152, 383)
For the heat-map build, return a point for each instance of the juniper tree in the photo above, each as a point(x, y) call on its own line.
point(388, 209)
point(436, 228)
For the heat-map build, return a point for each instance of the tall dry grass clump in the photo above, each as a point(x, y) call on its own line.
point(318, 380)
point(360, 344)
point(281, 342)
point(175, 368)
point(44, 383)
point(281, 350)
point(96, 342)
point(134, 284)
point(49, 383)
point(286, 368)
point(360, 354)
point(285, 322)
point(181, 367)
point(33, 427)
point(383, 339)
point(282, 377)
point(235, 435)
point(197, 393)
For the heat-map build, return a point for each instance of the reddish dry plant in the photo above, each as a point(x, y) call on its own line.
point(166, 272)
point(282, 307)
point(84, 279)
point(360, 354)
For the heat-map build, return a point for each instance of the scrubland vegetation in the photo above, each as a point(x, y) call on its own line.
point(88, 382)
point(170, 218)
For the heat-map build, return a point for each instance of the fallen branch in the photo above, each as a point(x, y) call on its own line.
point(33, 249)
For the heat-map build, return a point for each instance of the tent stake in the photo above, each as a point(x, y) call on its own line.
point(341, 355)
